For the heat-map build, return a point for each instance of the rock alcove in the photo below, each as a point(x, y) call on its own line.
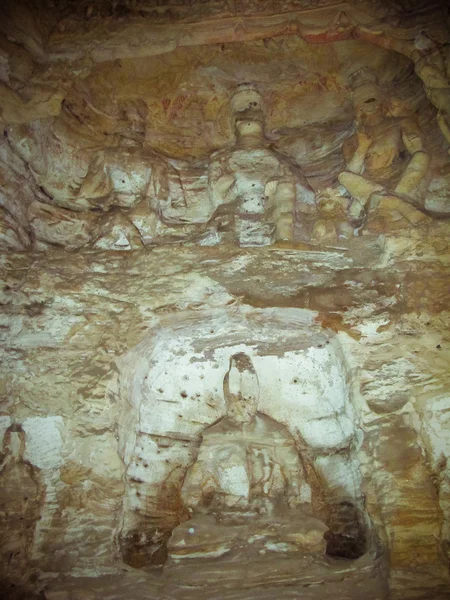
point(173, 391)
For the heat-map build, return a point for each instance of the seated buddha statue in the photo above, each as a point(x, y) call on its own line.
point(246, 491)
point(253, 189)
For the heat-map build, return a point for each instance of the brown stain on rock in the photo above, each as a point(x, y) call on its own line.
point(335, 322)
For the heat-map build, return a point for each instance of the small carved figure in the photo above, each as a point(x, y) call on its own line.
point(378, 165)
point(247, 461)
point(333, 222)
point(259, 188)
point(20, 500)
point(141, 187)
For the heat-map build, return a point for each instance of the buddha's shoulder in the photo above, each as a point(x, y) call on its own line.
point(222, 426)
point(266, 425)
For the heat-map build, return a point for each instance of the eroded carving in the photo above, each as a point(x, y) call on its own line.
point(122, 191)
point(248, 193)
point(247, 461)
point(386, 159)
point(247, 481)
point(20, 501)
point(252, 188)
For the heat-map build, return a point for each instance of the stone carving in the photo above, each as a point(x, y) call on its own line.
point(333, 223)
point(124, 175)
point(135, 179)
point(247, 461)
point(431, 64)
point(112, 190)
point(378, 169)
point(20, 500)
point(250, 185)
point(248, 480)
point(250, 192)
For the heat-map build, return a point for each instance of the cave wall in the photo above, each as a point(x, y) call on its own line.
point(128, 283)
point(76, 330)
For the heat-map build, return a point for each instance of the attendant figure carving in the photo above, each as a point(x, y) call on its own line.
point(386, 159)
point(136, 186)
point(130, 172)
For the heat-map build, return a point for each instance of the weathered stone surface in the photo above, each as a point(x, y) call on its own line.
point(225, 282)
point(98, 152)
point(88, 309)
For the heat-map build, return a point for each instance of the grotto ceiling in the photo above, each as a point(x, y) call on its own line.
point(224, 243)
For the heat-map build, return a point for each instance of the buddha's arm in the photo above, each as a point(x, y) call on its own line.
point(291, 194)
point(200, 481)
point(283, 213)
point(356, 163)
point(418, 165)
point(294, 473)
point(220, 182)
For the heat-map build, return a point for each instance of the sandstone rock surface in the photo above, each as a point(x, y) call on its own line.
point(225, 290)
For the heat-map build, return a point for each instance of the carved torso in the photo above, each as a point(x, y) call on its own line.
point(386, 158)
point(250, 170)
point(246, 467)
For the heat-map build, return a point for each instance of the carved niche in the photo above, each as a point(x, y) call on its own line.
point(223, 421)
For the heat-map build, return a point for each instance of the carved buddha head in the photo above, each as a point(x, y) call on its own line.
point(241, 389)
point(247, 112)
point(368, 98)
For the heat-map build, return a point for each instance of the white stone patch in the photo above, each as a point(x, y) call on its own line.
point(436, 425)
point(205, 554)
point(370, 327)
point(122, 242)
point(43, 441)
point(240, 263)
point(255, 538)
point(154, 463)
point(341, 473)
point(184, 397)
point(305, 494)
point(234, 480)
point(307, 392)
point(129, 182)
point(212, 238)
point(390, 378)
point(328, 433)
point(278, 547)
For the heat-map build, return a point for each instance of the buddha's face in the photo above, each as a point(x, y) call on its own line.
point(241, 390)
point(369, 104)
point(247, 114)
point(249, 122)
